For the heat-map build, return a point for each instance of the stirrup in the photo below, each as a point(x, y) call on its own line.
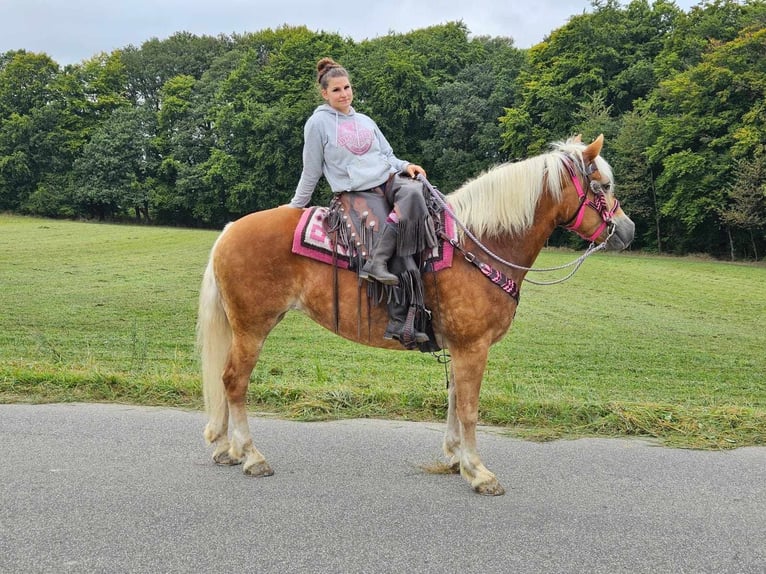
point(417, 336)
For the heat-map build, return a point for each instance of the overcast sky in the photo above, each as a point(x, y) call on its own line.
point(74, 30)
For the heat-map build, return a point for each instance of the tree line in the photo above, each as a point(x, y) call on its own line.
point(199, 130)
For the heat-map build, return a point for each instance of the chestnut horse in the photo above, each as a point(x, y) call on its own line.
point(253, 279)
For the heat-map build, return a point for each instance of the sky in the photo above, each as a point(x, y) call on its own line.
point(70, 31)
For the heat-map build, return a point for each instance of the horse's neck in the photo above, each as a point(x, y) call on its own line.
point(522, 247)
point(520, 250)
point(528, 247)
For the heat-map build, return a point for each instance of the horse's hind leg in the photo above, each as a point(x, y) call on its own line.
point(244, 353)
point(216, 433)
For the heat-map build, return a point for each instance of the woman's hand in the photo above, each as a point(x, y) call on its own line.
point(413, 170)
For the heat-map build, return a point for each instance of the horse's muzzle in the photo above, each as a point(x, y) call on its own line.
point(624, 231)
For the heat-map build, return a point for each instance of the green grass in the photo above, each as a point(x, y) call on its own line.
point(633, 345)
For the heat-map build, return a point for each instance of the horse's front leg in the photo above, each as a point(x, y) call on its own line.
point(236, 376)
point(451, 445)
point(468, 369)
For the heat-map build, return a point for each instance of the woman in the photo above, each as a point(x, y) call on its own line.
point(348, 148)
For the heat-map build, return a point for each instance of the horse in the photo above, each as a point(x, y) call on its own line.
point(253, 279)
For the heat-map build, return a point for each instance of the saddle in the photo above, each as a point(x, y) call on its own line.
point(344, 236)
point(314, 238)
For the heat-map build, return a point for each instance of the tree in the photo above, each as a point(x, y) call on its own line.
point(464, 131)
point(111, 174)
point(710, 23)
point(25, 82)
point(700, 115)
point(156, 61)
point(636, 181)
point(746, 210)
point(25, 92)
point(607, 54)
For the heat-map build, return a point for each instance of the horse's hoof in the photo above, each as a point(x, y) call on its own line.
point(258, 469)
point(225, 459)
point(490, 489)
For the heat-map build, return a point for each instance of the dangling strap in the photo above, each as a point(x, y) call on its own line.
point(499, 278)
point(335, 302)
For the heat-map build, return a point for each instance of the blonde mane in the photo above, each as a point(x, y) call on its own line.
point(504, 198)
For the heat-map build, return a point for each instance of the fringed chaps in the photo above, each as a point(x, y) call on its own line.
point(416, 226)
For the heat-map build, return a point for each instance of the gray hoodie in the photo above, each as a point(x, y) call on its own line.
point(348, 149)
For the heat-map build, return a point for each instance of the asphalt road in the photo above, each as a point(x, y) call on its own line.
point(109, 488)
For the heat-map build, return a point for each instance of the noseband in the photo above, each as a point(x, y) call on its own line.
point(598, 203)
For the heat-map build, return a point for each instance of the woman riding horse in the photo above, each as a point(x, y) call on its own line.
point(507, 214)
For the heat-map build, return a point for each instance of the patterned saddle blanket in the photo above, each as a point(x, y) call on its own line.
point(344, 232)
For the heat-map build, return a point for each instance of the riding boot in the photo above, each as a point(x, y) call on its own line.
point(397, 312)
point(377, 266)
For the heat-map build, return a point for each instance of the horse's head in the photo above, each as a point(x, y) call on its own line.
point(589, 207)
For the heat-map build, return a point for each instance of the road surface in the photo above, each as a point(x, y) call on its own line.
point(112, 488)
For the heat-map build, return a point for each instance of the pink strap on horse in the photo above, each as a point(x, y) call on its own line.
point(598, 203)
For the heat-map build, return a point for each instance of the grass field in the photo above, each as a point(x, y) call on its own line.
point(669, 348)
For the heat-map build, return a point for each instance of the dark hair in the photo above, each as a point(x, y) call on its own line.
point(328, 68)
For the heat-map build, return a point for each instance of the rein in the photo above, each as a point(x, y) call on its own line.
point(441, 200)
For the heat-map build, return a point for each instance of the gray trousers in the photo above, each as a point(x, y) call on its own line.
point(416, 228)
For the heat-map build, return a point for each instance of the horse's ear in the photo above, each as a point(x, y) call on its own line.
point(591, 152)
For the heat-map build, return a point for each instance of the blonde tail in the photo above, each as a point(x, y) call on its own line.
point(213, 343)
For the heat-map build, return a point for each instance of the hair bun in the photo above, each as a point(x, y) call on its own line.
point(325, 64)
point(328, 68)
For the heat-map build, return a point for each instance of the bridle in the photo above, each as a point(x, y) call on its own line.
point(598, 203)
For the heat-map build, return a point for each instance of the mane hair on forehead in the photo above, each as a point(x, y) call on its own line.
point(574, 149)
point(504, 199)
